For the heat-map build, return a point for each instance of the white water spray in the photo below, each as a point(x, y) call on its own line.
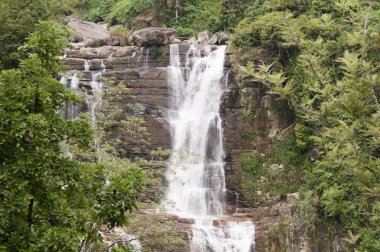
point(70, 111)
point(86, 65)
point(196, 172)
point(94, 101)
point(74, 84)
point(146, 58)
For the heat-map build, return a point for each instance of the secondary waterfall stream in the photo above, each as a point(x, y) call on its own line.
point(196, 171)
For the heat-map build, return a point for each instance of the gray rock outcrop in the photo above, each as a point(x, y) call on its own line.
point(204, 37)
point(213, 40)
point(91, 34)
point(223, 38)
point(153, 36)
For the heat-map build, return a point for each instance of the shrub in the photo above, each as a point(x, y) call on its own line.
point(125, 10)
point(121, 34)
point(184, 32)
point(265, 31)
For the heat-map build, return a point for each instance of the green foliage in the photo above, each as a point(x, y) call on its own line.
point(111, 118)
point(154, 51)
point(18, 20)
point(200, 15)
point(233, 11)
point(263, 32)
point(35, 210)
point(188, 16)
point(120, 196)
point(125, 10)
point(49, 201)
point(122, 249)
point(329, 74)
point(97, 10)
point(308, 209)
point(156, 233)
point(184, 32)
point(121, 33)
point(303, 139)
point(277, 174)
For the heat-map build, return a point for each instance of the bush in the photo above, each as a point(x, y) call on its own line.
point(265, 31)
point(199, 14)
point(121, 34)
point(184, 32)
point(125, 10)
point(97, 10)
point(279, 173)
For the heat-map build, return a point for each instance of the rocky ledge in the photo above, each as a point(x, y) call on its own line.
point(88, 34)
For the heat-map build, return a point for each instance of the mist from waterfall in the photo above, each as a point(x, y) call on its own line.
point(195, 174)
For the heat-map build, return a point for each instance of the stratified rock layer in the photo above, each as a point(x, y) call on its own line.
point(143, 70)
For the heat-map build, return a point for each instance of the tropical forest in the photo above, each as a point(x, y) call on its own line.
point(189, 125)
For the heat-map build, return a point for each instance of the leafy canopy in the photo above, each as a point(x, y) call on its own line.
point(325, 62)
point(49, 201)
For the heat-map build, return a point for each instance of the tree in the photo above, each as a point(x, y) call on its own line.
point(330, 77)
point(49, 201)
point(18, 19)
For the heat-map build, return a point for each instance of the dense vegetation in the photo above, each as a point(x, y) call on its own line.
point(187, 17)
point(48, 200)
point(322, 57)
point(18, 20)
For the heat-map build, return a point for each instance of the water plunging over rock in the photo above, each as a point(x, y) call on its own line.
point(70, 110)
point(196, 172)
point(94, 100)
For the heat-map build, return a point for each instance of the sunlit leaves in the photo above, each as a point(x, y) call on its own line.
point(47, 199)
point(332, 83)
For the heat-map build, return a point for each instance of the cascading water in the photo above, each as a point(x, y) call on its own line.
point(196, 172)
point(95, 100)
point(70, 111)
point(86, 66)
point(146, 58)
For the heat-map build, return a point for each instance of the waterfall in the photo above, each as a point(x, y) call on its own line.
point(195, 174)
point(95, 100)
point(70, 111)
point(74, 84)
point(86, 66)
point(146, 58)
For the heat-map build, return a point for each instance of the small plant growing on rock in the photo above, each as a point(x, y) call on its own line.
point(120, 33)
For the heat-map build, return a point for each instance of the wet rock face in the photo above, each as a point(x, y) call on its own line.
point(144, 72)
point(153, 36)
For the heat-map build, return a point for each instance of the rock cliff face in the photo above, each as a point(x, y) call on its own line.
point(252, 120)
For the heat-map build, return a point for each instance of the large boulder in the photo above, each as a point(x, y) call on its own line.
point(193, 40)
point(213, 40)
point(89, 32)
point(204, 37)
point(224, 37)
point(153, 36)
